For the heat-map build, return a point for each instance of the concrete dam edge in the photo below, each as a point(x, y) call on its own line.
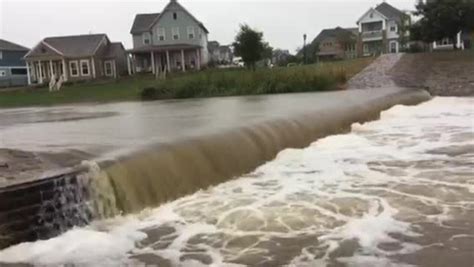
point(159, 173)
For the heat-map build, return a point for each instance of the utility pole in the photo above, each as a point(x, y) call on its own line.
point(304, 49)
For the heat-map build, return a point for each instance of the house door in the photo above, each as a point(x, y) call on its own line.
point(393, 47)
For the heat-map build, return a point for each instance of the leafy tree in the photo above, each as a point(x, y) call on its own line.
point(443, 18)
point(250, 46)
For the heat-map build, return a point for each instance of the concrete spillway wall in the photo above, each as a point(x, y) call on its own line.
point(163, 172)
point(43, 208)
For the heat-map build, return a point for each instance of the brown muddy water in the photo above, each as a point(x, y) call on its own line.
point(394, 192)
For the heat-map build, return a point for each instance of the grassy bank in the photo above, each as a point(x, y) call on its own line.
point(326, 76)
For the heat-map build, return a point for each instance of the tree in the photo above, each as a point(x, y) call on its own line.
point(250, 46)
point(443, 18)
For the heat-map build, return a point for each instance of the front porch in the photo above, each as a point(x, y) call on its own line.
point(161, 59)
point(41, 71)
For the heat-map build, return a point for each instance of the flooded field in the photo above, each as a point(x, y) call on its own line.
point(393, 192)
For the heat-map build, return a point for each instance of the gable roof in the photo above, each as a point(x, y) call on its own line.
point(71, 46)
point(9, 46)
point(113, 50)
point(389, 11)
point(336, 32)
point(369, 11)
point(143, 22)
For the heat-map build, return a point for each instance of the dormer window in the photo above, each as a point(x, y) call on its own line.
point(175, 16)
point(175, 32)
point(191, 34)
point(146, 38)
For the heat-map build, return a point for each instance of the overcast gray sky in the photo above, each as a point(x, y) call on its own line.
point(283, 22)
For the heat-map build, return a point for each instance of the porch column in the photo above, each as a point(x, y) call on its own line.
point(28, 73)
point(115, 69)
point(198, 60)
point(153, 70)
point(168, 60)
point(129, 67)
point(40, 72)
point(51, 70)
point(183, 63)
point(458, 41)
point(65, 74)
point(134, 64)
point(93, 67)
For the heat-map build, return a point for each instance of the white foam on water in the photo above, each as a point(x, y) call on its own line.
point(355, 199)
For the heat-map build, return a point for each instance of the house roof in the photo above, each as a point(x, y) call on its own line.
point(113, 50)
point(76, 45)
point(9, 46)
point(389, 11)
point(69, 46)
point(369, 11)
point(212, 45)
point(336, 32)
point(143, 22)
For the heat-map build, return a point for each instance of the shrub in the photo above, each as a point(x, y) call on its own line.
point(149, 93)
point(227, 82)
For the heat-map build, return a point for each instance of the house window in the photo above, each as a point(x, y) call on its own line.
point(109, 71)
point(1, 55)
point(85, 67)
point(161, 34)
point(18, 71)
point(175, 31)
point(190, 32)
point(371, 15)
point(146, 38)
point(393, 28)
point(175, 16)
point(73, 68)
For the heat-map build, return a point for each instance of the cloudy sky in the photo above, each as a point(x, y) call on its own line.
point(283, 22)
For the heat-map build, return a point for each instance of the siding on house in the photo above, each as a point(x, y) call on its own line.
point(92, 50)
point(173, 20)
point(12, 64)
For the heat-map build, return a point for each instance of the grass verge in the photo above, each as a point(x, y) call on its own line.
point(228, 82)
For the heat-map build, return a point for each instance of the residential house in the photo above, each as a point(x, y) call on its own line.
point(74, 58)
point(171, 40)
point(381, 30)
point(220, 54)
point(280, 57)
point(447, 43)
point(12, 66)
point(337, 43)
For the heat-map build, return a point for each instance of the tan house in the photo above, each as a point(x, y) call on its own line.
point(337, 43)
point(74, 58)
point(173, 40)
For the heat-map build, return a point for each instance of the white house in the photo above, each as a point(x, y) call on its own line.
point(380, 30)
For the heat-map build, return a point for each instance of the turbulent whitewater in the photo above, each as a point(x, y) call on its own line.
point(394, 192)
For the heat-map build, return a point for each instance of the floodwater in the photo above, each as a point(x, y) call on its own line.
point(105, 128)
point(394, 192)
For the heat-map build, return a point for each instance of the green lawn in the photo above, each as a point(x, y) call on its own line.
point(200, 84)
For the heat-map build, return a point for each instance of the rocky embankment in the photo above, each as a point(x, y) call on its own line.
point(442, 74)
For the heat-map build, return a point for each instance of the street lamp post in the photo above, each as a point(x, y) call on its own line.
point(304, 48)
